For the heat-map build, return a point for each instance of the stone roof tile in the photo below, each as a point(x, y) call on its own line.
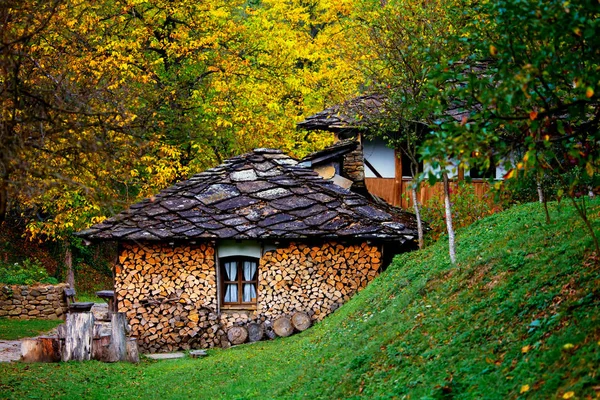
point(263, 194)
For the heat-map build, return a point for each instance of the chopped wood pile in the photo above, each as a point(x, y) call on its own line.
point(169, 294)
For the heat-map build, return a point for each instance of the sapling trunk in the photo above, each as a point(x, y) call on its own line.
point(448, 207)
point(69, 265)
point(417, 214)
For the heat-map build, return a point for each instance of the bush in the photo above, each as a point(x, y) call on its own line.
point(27, 272)
point(467, 208)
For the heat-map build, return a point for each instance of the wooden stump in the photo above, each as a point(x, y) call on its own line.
point(100, 346)
point(133, 354)
point(255, 332)
point(237, 334)
point(283, 327)
point(41, 349)
point(78, 339)
point(301, 321)
point(117, 350)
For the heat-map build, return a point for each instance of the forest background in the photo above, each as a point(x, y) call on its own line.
point(107, 102)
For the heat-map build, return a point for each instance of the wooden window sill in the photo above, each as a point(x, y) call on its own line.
point(238, 307)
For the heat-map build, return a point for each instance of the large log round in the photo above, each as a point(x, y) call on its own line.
point(255, 332)
point(301, 321)
point(237, 334)
point(283, 326)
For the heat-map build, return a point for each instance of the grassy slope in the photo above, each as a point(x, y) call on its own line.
point(522, 308)
point(13, 329)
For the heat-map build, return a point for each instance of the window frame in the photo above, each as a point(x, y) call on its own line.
point(239, 281)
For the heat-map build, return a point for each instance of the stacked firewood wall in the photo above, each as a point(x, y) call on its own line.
point(169, 295)
point(314, 279)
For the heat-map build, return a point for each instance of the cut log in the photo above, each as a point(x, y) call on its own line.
point(283, 327)
point(269, 332)
point(78, 340)
point(255, 332)
point(237, 335)
point(41, 349)
point(301, 321)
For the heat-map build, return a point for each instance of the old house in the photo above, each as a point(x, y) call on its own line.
point(385, 170)
point(256, 238)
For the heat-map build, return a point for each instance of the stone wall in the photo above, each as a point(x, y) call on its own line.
point(33, 302)
point(354, 168)
point(170, 293)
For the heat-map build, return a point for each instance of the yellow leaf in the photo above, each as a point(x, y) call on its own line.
point(568, 395)
point(493, 50)
point(524, 388)
point(525, 349)
point(568, 346)
point(589, 92)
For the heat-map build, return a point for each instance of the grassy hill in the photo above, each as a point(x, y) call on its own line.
point(519, 317)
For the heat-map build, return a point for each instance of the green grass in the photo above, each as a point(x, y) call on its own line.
point(13, 329)
point(520, 311)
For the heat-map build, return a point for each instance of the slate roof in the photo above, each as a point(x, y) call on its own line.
point(357, 113)
point(259, 195)
point(353, 114)
point(336, 150)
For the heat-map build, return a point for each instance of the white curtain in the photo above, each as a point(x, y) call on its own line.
point(249, 275)
point(231, 290)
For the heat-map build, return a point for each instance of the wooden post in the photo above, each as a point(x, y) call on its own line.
point(78, 340)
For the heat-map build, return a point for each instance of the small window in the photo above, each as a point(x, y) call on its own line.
point(239, 278)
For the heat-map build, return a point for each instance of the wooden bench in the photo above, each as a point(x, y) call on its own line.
point(74, 306)
point(109, 297)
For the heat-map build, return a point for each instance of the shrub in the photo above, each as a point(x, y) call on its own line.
point(27, 272)
point(467, 208)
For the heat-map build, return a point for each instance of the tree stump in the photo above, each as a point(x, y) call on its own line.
point(41, 349)
point(255, 332)
point(78, 338)
point(237, 334)
point(283, 327)
point(301, 321)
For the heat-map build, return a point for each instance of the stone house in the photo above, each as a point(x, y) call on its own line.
point(256, 238)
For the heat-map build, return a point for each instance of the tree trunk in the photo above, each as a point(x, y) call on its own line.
point(78, 340)
point(301, 321)
point(237, 334)
point(3, 197)
point(542, 198)
point(69, 265)
point(448, 208)
point(283, 327)
point(417, 209)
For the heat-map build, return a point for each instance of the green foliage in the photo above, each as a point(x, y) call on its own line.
point(467, 208)
point(14, 329)
point(26, 272)
point(517, 317)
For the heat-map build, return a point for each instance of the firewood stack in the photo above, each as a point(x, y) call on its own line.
point(169, 293)
point(315, 278)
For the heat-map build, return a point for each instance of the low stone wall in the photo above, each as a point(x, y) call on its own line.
point(33, 302)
